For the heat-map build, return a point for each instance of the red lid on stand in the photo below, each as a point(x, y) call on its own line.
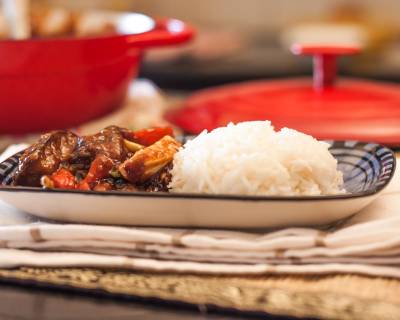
point(327, 109)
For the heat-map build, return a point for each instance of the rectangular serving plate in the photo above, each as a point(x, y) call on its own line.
point(367, 170)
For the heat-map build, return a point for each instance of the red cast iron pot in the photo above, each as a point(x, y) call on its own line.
point(324, 107)
point(59, 83)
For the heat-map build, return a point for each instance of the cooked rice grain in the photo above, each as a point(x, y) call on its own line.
point(251, 158)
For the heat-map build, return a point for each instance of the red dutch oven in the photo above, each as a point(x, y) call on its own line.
point(59, 83)
point(325, 107)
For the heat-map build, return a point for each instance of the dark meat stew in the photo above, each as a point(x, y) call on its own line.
point(113, 159)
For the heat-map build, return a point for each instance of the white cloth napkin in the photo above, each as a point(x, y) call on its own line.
point(368, 243)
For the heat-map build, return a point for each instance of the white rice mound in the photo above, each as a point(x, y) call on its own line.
point(251, 158)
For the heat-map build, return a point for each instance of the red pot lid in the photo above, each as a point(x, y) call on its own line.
point(347, 109)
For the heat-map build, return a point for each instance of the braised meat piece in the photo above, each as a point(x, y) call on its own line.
point(108, 142)
point(44, 157)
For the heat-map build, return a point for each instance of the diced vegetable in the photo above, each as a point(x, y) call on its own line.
point(99, 169)
point(115, 173)
point(148, 161)
point(46, 182)
point(147, 137)
point(132, 146)
point(61, 179)
point(83, 185)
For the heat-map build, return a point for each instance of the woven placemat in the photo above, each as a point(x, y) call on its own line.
point(324, 297)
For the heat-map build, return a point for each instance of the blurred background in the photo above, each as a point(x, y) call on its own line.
point(240, 40)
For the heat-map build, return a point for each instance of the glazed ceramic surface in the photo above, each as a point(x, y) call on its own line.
point(367, 170)
point(58, 83)
point(323, 107)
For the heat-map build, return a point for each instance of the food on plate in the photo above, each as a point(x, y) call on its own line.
point(113, 159)
point(251, 158)
point(146, 162)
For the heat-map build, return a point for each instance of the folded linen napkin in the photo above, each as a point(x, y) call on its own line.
point(368, 243)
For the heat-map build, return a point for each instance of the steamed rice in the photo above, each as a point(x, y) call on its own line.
point(251, 158)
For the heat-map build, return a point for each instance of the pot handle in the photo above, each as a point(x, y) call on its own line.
point(325, 69)
point(167, 32)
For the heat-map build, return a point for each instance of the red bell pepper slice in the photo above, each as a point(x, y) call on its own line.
point(63, 179)
point(99, 169)
point(147, 137)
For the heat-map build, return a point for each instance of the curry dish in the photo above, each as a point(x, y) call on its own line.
point(113, 159)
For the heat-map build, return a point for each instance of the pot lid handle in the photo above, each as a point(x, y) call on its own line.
point(324, 73)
